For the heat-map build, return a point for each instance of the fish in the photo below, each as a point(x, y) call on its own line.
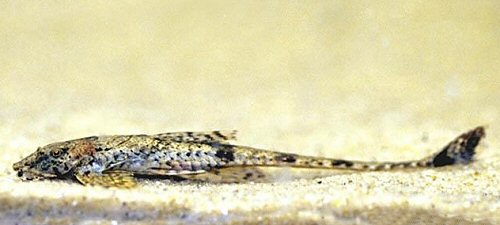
point(117, 160)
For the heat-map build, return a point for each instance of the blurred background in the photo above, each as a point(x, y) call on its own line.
point(371, 80)
point(268, 68)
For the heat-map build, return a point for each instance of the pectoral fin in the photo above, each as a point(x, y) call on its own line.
point(115, 178)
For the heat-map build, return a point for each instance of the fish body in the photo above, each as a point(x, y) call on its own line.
point(114, 160)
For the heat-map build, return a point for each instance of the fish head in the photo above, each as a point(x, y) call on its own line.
point(53, 160)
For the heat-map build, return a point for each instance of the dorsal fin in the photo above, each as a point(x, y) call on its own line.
point(219, 136)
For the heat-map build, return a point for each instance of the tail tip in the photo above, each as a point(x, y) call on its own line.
point(461, 150)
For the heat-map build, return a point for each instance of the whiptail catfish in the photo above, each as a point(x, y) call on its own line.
point(113, 161)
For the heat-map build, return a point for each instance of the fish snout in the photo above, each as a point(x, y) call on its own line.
point(18, 165)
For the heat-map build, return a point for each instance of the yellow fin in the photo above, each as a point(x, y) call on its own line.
point(114, 178)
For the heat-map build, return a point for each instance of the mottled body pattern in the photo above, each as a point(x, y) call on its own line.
point(115, 160)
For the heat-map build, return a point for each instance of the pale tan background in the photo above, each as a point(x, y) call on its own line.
point(368, 80)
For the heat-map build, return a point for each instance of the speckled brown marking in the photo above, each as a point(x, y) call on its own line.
point(82, 148)
point(113, 161)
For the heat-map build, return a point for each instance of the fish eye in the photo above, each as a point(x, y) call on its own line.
point(55, 153)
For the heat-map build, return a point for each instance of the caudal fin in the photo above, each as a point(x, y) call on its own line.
point(459, 151)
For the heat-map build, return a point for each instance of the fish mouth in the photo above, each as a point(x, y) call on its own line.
point(27, 174)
